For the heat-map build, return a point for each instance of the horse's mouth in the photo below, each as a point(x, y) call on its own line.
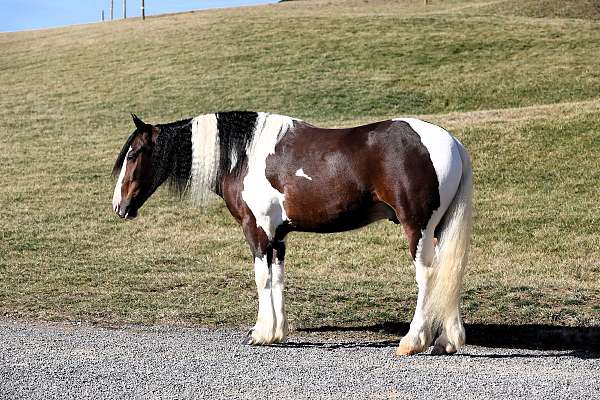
point(128, 212)
point(131, 214)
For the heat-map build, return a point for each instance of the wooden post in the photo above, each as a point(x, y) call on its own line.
point(102, 15)
point(143, 11)
point(124, 9)
point(111, 10)
point(426, 2)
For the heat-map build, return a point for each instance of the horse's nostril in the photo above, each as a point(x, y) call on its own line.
point(121, 211)
point(123, 207)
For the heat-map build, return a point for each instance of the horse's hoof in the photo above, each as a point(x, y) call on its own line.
point(279, 340)
point(281, 335)
point(410, 345)
point(438, 351)
point(448, 349)
point(443, 351)
point(248, 339)
point(443, 346)
point(255, 338)
point(406, 350)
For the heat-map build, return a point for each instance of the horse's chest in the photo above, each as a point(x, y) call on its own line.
point(308, 196)
point(264, 201)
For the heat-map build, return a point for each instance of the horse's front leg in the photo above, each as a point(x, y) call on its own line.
point(263, 331)
point(277, 291)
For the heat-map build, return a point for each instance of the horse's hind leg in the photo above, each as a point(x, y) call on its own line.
point(422, 249)
point(437, 312)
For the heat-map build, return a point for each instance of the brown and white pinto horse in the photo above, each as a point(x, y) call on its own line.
point(278, 174)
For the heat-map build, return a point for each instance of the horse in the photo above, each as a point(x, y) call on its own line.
point(278, 174)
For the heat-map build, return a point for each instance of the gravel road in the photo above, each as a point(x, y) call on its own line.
point(58, 361)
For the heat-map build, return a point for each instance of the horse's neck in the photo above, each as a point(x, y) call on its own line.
point(174, 149)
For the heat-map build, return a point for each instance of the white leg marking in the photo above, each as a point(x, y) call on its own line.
point(265, 202)
point(301, 173)
point(117, 192)
point(264, 330)
point(281, 326)
point(420, 335)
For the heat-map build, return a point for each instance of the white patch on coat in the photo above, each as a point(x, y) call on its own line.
point(117, 193)
point(277, 292)
point(205, 157)
point(265, 202)
point(264, 329)
point(420, 333)
point(301, 173)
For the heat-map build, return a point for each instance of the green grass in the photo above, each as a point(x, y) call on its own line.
point(521, 91)
point(581, 9)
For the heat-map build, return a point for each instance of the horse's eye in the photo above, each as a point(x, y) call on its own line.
point(131, 156)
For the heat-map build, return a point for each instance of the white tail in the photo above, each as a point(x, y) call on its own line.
point(451, 258)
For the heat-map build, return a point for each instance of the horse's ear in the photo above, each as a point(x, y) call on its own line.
point(139, 124)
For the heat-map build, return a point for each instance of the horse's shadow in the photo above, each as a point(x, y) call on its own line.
point(581, 342)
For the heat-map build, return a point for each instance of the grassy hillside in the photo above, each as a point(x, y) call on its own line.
point(521, 91)
point(581, 9)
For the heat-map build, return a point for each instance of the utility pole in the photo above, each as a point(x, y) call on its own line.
point(102, 15)
point(124, 9)
point(111, 10)
point(143, 11)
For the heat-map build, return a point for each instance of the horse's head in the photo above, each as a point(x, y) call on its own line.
point(135, 167)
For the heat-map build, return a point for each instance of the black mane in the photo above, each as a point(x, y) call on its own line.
point(235, 129)
point(173, 155)
point(172, 159)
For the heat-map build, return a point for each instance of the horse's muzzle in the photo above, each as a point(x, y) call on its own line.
point(126, 210)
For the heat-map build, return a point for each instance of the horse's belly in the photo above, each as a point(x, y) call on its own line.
point(338, 217)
